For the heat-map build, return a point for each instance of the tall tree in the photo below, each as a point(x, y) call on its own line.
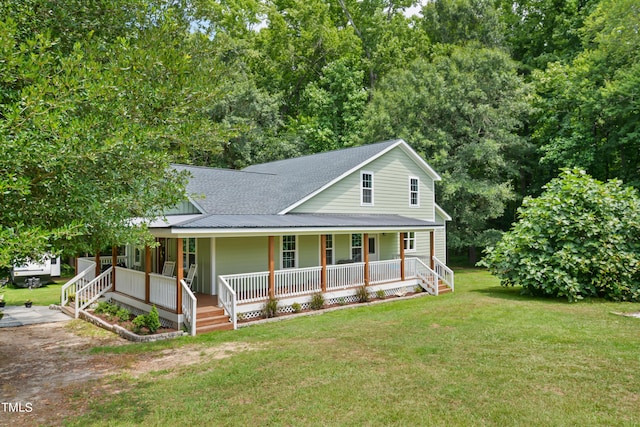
point(462, 111)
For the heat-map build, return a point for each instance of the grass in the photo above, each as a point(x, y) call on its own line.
point(44, 295)
point(482, 356)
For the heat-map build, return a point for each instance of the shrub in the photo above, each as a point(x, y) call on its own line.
point(138, 323)
point(102, 307)
point(362, 293)
point(380, 294)
point(150, 321)
point(579, 238)
point(317, 301)
point(296, 307)
point(123, 314)
point(270, 308)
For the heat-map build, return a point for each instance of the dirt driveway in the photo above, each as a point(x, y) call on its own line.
point(45, 368)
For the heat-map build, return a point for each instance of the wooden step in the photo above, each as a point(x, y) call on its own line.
point(443, 289)
point(217, 327)
point(209, 311)
point(68, 310)
point(213, 320)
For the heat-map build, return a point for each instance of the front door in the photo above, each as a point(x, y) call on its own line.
point(373, 248)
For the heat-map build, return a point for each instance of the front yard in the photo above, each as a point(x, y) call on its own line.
point(481, 356)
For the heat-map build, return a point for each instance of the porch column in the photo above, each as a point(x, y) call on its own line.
point(323, 262)
point(432, 246)
point(402, 237)
point(365, 249)
point(272, 267)
point(147, 271)
point(97, 260)
point(179, 275)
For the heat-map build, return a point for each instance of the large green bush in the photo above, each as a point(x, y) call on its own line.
point(579, 238)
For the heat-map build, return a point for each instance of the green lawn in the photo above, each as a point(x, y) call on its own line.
point(44, 295)
point(482, 356)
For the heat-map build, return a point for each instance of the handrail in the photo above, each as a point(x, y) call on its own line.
point(189, 307)
point(78, 278)
point(93, 290)
point(227, 299)
point(428, 277)
point(444, 272)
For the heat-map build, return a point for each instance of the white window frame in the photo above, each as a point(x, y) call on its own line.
point(410, 237)
point(186, 252)
point(295, 251)
point(363, 188)
point(416, 192)
point(352, 247)
point(330, 238)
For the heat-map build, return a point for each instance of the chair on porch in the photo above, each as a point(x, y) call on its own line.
point(190, 280)
point(167, 269)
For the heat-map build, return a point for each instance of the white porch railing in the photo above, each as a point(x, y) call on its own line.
point(130, 282)
point(298, 281)
point(444, 272)
point(249, 287)
point(427, 278)
point(162, 291)
point(79, 281)
point(93, 290)
point(384, 271)
point(344, 276)
point(189, 307)
point(227, 299)
point(85, 264)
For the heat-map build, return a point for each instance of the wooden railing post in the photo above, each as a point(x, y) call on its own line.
point(147, 272)
point(272, 268)
point(114, 262)
point(179, 275)
point(323, 262)
point(365, 249)
point(97, 261)
point(432, 246)
point(402, 273)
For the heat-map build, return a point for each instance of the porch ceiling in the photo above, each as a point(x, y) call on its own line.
point(299, 223)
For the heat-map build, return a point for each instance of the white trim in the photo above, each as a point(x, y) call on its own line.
point(196, 205)
point(214, 279)
point(417, 205)
point(333, 250)
point(376, 254)
point(442, 213)
point(295, 251)
point(361, 247)
point(415, 242)
point(400, 143)
point(363, 188)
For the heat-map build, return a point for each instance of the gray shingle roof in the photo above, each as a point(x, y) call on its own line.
point(269, 188)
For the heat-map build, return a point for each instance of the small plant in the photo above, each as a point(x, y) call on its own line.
point(150, 321)
point(317, 301)
point(138, 323)
point(28, 303)
point(418, 289)
point(362, 293)
point(380, 294)
point(297, 308)
point(241, 316)
point(123, 314)
point(342, 301)
point(102, 307)
point(270, 308)
point(72, 296)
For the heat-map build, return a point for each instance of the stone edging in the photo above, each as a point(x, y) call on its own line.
point(328, 310)
point(126, 334)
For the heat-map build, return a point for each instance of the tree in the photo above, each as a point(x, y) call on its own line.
point(580, 238)
point(588, 108)
point(462, 112)
point(85, 132)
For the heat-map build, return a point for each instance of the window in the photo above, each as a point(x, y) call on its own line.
point(410, 241)
point(356, 247)
point(366, 197)
point(288, 251)
point(188, 252)
point(414, 192)
point(329, 248)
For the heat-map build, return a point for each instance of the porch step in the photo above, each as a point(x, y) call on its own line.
point(68, 310)
point(211, 318)
point(443, 289)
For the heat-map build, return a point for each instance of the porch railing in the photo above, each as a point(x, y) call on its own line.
point(130, 282)
point(427, 278)
point(79, 281)
point(249, 287)
point(344, 276)
point(444, 272)
point(384, 271)
point(162, 291)
point(86, 263)
point(93, 290)
point(297, 281)
point(189, 308)
point(227, 299)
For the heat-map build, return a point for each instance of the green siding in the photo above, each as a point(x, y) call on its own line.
point(390, 190)
point(342, 246)
point(242, 255)
point(203, 259)
point(308, 251)
point(388, 245)
point(183, 208)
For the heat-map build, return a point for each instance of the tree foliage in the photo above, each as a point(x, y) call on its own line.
point(580, 238)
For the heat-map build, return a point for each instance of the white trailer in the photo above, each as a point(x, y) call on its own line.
point(42, 270)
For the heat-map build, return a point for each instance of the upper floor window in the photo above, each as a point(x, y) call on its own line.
point(414, 191)
point(366, 194)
